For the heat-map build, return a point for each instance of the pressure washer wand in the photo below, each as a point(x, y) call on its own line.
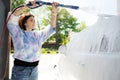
point(40, 3)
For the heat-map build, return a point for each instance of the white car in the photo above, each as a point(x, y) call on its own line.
point(94, 53)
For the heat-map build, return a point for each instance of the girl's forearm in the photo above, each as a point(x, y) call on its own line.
point(54, 20)
point(54, 14)
point(20, 10)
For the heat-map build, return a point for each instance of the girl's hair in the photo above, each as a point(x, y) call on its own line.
point(23, 19)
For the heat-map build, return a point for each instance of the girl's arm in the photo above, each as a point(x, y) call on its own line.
point(20, 10)
point(54, 14)
point(15, 16)
point(13, 26)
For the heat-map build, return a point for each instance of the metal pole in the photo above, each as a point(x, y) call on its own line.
point(56, 35)
point(4, 8)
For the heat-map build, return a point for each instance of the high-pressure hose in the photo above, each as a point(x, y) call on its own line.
point(39, 3)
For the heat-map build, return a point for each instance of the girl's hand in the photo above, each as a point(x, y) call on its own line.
point(33, 2)
point(54, 7)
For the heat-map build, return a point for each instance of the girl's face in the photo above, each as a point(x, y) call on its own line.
point(30, 24)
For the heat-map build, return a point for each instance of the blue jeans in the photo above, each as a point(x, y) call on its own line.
point(24, 73)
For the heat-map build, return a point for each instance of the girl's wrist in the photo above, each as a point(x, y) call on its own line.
point(54, 13)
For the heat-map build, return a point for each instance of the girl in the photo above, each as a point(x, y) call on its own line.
point(28, 42)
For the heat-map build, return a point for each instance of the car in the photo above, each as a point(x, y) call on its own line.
point(94, 53)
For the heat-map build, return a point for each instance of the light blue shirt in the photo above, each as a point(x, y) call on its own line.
point(27, 45)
